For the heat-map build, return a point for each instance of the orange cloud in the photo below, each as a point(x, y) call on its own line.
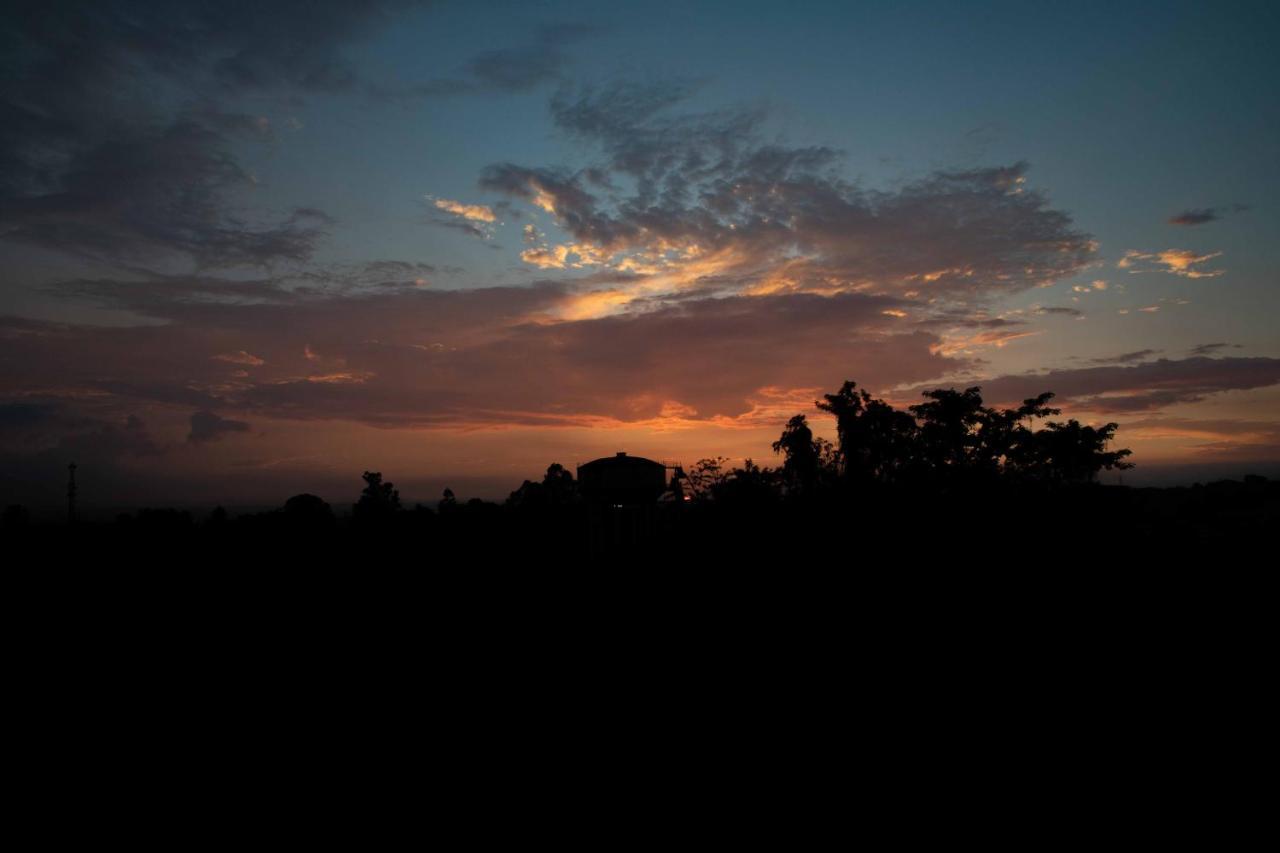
point(239, 357)
point(1179, 262)
point(473, 212)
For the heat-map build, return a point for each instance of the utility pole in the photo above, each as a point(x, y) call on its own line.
point(71, 494)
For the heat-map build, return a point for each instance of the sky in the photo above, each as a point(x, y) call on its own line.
point(249, 250)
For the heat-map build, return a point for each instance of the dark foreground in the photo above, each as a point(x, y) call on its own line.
point(1064, 625)
point(870, 531)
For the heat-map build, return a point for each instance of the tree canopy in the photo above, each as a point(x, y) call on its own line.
point(951, 438)
point(379, 500)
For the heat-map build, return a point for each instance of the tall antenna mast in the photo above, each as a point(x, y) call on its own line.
point(71, 494)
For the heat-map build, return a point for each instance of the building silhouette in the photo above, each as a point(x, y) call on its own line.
point(624, 503)
point(622, 480)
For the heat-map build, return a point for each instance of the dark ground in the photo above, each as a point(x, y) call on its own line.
point(998, 528)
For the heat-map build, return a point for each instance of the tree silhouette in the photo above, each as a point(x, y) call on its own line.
point(846, 405)
point(556, 489)
point(747, 486)
point(808, 462)
point(801, 456)
point(954, 438)
point(448, 502)
point(379, 500)
point(949, 427)
point(959, 436)
point(559, 484)
point(876, 441)
point(1073, 453)
point(1004, 439)
point(308, 511)
point(704, 476)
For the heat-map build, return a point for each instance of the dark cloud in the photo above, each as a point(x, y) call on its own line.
point(166, 192)
point(116, 122)
point(73, 50)
point(518, 68)
point(171, 295)
point(490, 355)
point(1126, 358)
point(15, 417)
point(1058, 309)
point(394, 274)
point(108, 450)
point(207, 426)
point(633, 125)
point(400, 269)
point(459, 225)
point(1210, 349)
point(1194, 217)
point(73, 430)
point(966, 318)
point(1142, 387)
point(1202, 215)
point(108, 440)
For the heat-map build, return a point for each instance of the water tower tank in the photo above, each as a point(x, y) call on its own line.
point(622, 480)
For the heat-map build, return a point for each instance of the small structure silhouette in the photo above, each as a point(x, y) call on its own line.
point(624, 511)
point(622, 480)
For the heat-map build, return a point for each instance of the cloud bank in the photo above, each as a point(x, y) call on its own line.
point(702, 201)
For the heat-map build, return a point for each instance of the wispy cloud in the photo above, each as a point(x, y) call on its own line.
point(207, 426)
point(542, 59)
point(702, 201)
point(239, 357)
point(1202, 215)
point(97, 164)
point(473, 212)
point(1147, 386)
point(1219, 439)
point(1126, 358)
point(1180, 262)
point(1210, 349)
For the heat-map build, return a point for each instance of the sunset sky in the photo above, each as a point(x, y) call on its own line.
point(254, 249)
